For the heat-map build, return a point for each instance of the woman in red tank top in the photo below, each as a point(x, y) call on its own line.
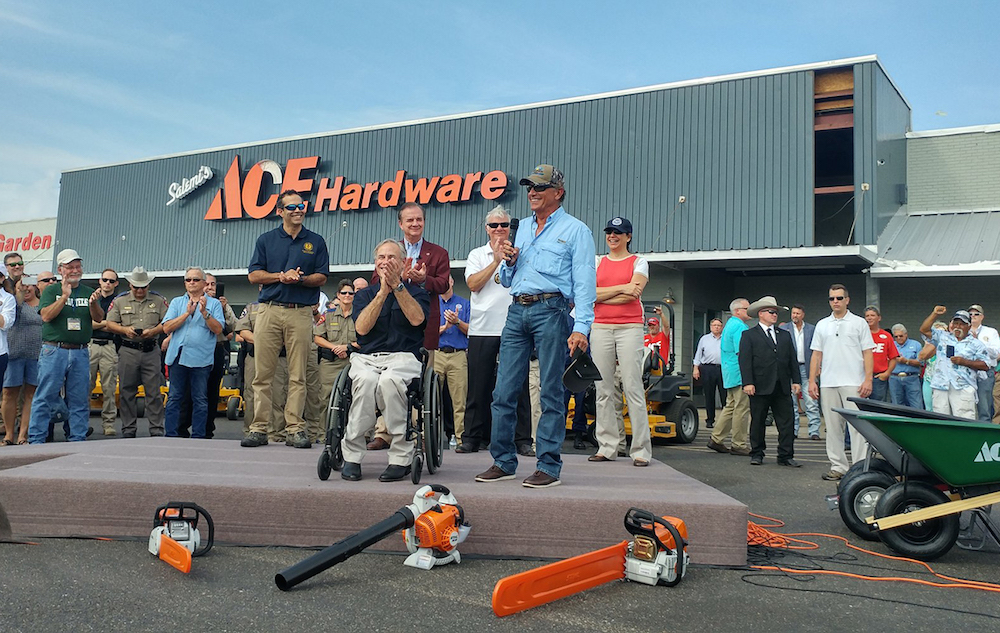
point(616, 343)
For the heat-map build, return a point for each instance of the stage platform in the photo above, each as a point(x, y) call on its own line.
point(271, 496)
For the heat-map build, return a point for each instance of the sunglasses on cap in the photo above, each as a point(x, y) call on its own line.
point(539, 188)
point(498, 225)
point(293, 207)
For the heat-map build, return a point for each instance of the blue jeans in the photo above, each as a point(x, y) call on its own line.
point(185, 383)
point(811, 406)
point(984, 408)
point(541, 326)
point(880, 389)
point(58, 367)
point(906, 391)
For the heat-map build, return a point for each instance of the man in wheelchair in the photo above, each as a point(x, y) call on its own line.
point(390, 319)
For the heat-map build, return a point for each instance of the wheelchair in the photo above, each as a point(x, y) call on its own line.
point(424, 425)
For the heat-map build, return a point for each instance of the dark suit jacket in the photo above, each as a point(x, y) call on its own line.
point(766, 367)
point(438, 266)
point(807, 339)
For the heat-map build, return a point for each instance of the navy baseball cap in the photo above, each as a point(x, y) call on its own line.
point(619, 224)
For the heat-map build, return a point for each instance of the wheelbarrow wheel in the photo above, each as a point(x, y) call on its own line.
point(924, 540)
point(877, 463)
point(859, 493)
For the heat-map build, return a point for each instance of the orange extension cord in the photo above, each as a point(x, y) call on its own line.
point(761, 535)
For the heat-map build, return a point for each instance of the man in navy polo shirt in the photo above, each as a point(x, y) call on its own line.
point(292, 263)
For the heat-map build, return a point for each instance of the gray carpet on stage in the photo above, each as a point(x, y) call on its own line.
point(271, 496)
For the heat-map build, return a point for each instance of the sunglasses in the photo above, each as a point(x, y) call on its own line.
point(615, 231)
point(975, 314)
point(46, 280)
point(15, 264)
point(109, 281)
point(346, 292)
point(770, 311)
point(498, 225)
point(836, 298)
point(293, 207)
point(539, 188)
point(190, 279)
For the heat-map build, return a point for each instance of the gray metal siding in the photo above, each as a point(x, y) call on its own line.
point(741, 151)
point(881, 121)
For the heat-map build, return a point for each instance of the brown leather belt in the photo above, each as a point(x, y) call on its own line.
point(65, 345)
point(527, 300)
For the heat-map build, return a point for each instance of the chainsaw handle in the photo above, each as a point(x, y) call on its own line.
point(639, 521)
point(440, 489)
point(181, 506)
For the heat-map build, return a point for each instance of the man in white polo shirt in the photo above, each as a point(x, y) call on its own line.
point(842, 361)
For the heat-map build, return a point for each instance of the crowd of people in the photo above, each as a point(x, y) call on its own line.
point(539, 297)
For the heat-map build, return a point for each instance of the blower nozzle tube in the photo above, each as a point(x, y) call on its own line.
point(342, 550)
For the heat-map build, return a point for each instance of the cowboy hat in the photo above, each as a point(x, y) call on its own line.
point(139, 277)
point(763, 303)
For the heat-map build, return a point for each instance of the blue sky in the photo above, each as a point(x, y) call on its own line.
point(96, 82)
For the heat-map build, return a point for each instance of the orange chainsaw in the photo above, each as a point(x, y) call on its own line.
point(657, 555)
point(175, 537)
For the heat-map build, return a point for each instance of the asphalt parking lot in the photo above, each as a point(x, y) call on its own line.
point(87, 585)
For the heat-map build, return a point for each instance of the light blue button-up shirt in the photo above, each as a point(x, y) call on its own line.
point(193, 341)
point(559, 259)
point(730, 348)
point(946, 374)
point(413, 250)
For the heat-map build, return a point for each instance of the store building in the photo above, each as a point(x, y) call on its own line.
point(773, 182)
point(33, 240)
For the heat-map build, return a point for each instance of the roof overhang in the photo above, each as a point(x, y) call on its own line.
point(814, 259)
point(890, 268)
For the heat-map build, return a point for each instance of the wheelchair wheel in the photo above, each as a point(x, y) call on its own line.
point(323, 466)
point(433, 421)
point(336, 419)
point(415, 467)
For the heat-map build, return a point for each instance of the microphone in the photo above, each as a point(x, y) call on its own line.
point(513, 232)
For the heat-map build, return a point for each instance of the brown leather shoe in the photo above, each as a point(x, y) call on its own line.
point(540, 480)
point(598, 458)
point(495, 473)
point(378, 444)
point(719, 448)
point(742, 452)
point(640, 462)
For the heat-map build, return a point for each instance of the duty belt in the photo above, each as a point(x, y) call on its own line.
point(100, 341)
point(144, 346)
point(527, 300)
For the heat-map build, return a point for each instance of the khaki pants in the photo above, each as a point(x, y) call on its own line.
point(380, 380)
point(137, 367)
point(279, 398)
point(454, 367)
point(624, 345)
point(279, 391)
point(104, 361)
point(736, 416)
point(315, 404)
point(996, 401)
point(277, 326)
point(836, 397)
point(958, 402)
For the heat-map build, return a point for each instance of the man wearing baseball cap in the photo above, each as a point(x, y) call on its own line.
point(68, 313)
point(959, 357)
point(549, 269)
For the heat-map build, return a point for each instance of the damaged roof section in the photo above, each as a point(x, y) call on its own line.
point(940, 243)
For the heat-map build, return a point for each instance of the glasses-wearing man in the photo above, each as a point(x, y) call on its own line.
point(842, 366)
point(904, 384)
point(103, 355)
point(193, 320)
point(69, 311)
point(735, 414)
point(15, 269)
point(985, 410)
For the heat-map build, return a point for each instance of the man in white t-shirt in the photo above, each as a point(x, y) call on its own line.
point(489, 303)
point(842, 361)
point(985, 379)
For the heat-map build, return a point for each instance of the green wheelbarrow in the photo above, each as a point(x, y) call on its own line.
point(943, 468)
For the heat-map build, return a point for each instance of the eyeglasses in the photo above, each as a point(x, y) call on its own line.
point(190, 279)
point(12, 264)
point(837, 298)
point(293, 207)
point(539, 188)
point(498, 225)
point(46, 280)
point(346, 292)
point(109, 281)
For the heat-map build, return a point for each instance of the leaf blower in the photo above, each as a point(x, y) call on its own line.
point(175, 537)
point(657, 555)
point(433, 526)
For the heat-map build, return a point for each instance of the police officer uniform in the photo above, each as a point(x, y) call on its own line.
point(104, 360)
point(279, 386)
point(339, 330)
point(139, 357)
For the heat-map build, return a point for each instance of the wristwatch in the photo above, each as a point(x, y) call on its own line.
point(398, 288)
